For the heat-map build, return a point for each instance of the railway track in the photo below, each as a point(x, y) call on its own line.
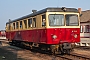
point(75, 56)
point(47, 56)
point(87, 48)
point(72, 56)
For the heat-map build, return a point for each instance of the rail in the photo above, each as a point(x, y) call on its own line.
point(74, 57)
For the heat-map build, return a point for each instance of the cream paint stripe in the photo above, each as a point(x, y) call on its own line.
point(62, 13)
point(45, 28)
point(65, 27)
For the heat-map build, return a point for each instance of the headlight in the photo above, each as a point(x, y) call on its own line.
point(75, 36)
point(54, 36)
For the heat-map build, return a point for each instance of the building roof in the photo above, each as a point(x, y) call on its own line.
point(85, 16)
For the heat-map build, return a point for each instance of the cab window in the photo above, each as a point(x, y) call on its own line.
point(71, 20)
point(56, 20)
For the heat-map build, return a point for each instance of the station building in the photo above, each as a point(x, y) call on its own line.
point(85, 28)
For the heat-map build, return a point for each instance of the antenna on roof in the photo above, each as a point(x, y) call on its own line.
point(34, 11)
point(9, 20)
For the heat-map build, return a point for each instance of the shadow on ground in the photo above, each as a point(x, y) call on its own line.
point(8, 54)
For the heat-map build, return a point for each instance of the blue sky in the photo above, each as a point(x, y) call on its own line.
point(13, 9)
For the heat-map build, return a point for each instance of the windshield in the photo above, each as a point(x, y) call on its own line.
point(71, 20)
point(56, 20)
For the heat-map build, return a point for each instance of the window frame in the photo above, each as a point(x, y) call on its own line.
point(20, 24)
point(69, 23)
point(57, 25)
point(34, 23)
point(43, 16)
point(17, 25)
point(25, 24)
point(30, 24)
point(7, 27)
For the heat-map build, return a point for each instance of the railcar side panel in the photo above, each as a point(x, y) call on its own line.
point(36, 36)
point(10, 35)
point(45, 35)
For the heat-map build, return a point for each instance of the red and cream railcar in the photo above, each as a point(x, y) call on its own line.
point(52, 28)
point(2, 34)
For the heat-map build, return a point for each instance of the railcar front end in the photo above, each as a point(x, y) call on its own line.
point(63, 30)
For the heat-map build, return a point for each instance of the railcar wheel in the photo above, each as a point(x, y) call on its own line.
point(62, 52)
point(68, 51)
point(54, 49)
point(55, 52)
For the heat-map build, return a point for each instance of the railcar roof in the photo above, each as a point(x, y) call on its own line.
point(45, 10)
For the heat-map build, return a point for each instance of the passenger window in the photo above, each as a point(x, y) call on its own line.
point(20, 24)
point(13, 26)
point(6, 28)
point(29, 23)
point(25, 23)
point(16, 25)
point(9, 26)
point(43, 20)
point(34, 22)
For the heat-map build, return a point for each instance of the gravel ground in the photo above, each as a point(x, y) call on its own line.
point(8, 52)
point(83, 52)
point(7, 55)
point(14, 53)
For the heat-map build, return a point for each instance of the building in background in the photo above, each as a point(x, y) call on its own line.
point(85, 28)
